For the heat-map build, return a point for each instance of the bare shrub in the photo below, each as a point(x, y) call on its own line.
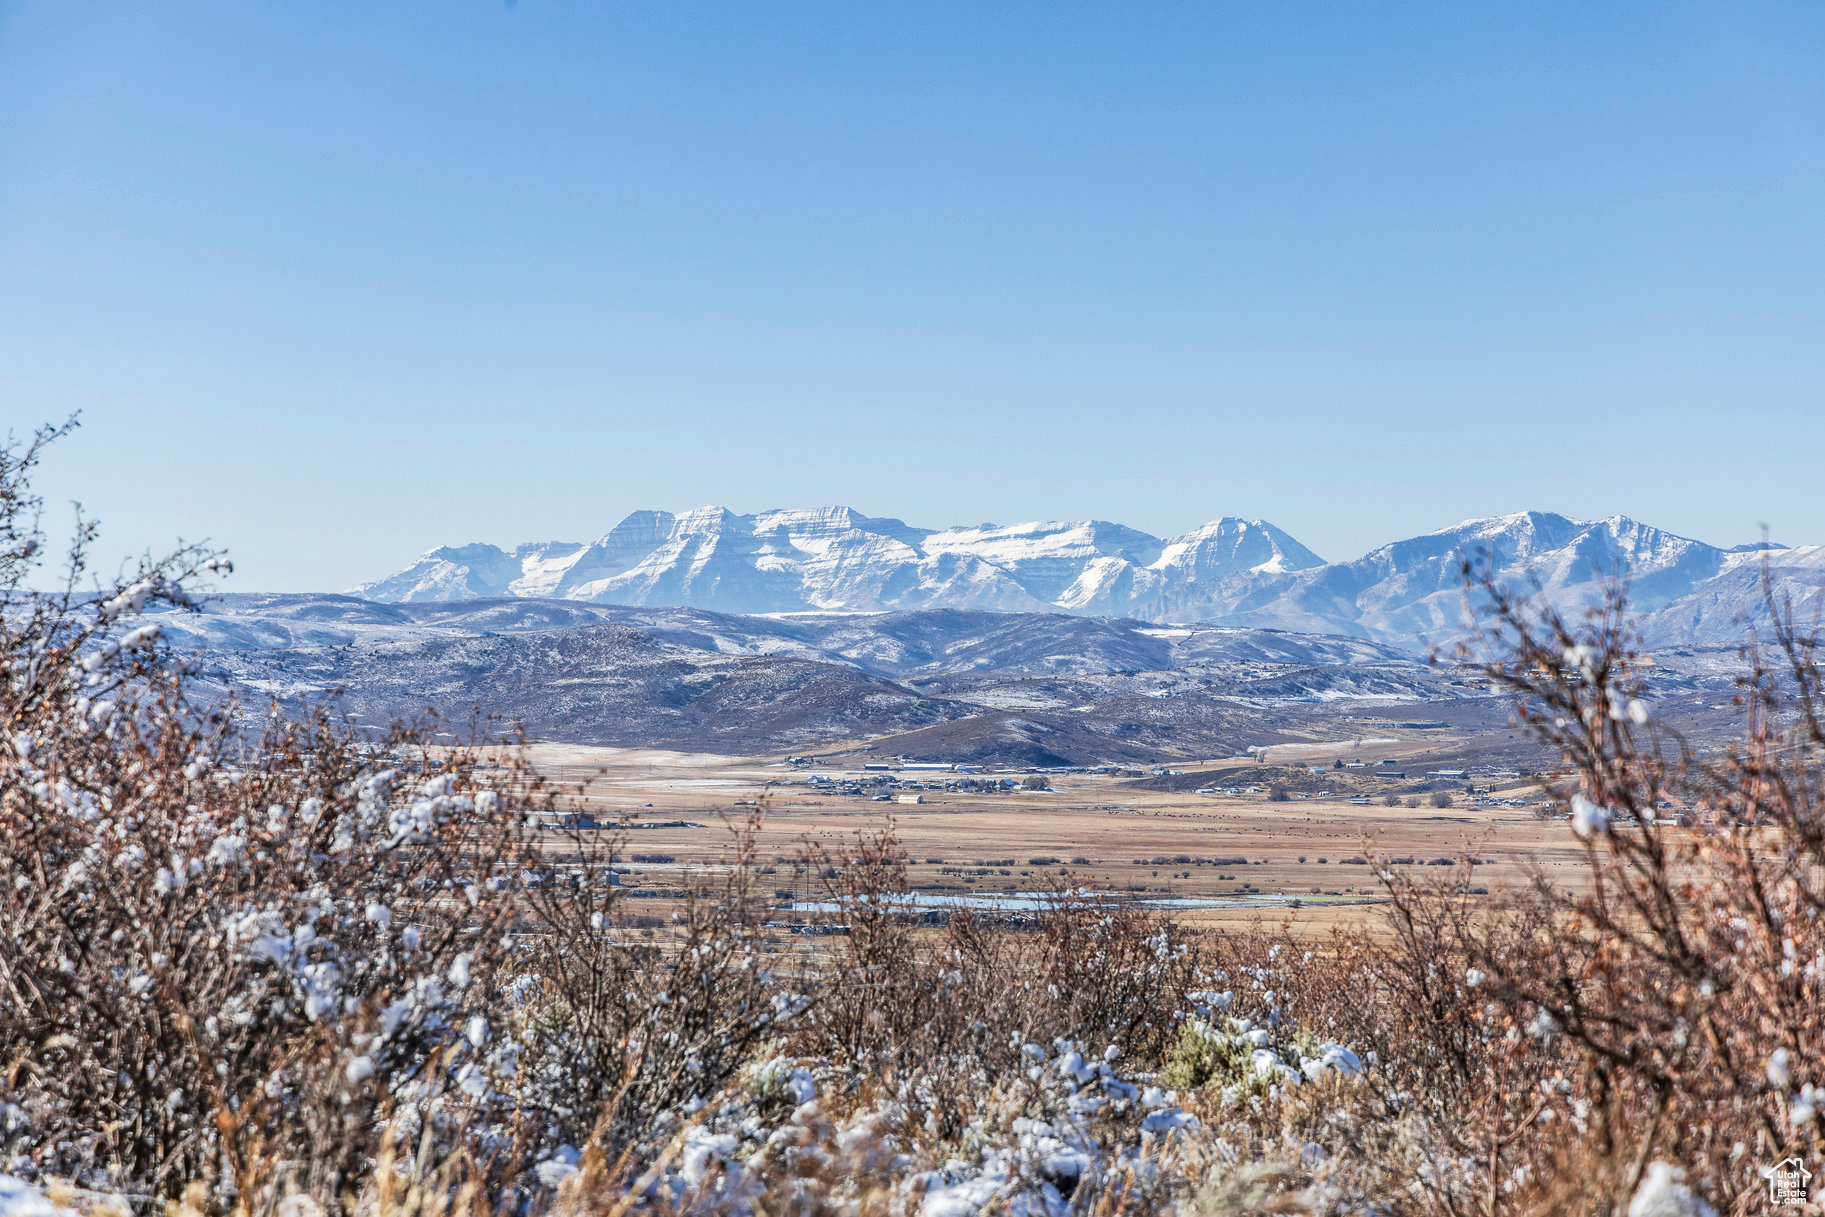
point(1670, 1015)
point(615, 1032)
point(928, 1012)
point(229, 954)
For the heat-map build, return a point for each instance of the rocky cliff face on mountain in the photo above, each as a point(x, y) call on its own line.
point(1231, 571)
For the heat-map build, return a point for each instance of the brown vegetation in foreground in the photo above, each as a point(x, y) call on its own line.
point(259, 966)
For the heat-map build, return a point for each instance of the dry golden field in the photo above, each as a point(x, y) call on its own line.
point(1298, 860)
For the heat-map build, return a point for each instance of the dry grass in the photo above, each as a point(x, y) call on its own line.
point(1282, 842)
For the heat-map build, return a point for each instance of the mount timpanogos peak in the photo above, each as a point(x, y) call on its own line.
point(1230, 571)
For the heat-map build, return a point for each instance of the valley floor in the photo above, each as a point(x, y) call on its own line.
point(1218, 859)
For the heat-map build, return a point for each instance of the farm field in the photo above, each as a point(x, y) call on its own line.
point(1230, 859)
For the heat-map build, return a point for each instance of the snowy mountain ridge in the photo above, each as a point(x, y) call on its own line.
point(1230, 571)
point(834, 558)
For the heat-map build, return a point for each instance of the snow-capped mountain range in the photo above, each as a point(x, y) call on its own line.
point(1230, 571)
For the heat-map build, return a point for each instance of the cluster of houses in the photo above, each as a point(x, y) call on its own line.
point(887, 787)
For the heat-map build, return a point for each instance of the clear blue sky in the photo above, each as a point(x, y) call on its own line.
point(336, 283)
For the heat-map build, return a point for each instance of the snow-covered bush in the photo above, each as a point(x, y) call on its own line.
point(938, 1012)
point(609, 1029)
point(230, 951)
